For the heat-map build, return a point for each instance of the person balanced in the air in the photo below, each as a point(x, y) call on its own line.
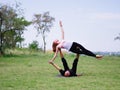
point(67, 72)
point(70, 46)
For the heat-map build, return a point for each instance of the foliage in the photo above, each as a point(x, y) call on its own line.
point(34, 45)
point(118, 37)
point(12, 25)
point(32, 72)
point(43, 23)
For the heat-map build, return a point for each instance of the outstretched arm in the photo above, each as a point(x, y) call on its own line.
point(55, 55)
point(56, 66)
point(62, 30)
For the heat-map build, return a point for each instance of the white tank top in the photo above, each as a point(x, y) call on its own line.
point(66, 45)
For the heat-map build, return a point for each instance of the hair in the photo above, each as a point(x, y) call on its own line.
point(54, 46)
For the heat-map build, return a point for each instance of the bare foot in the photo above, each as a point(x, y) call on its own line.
point(99, 56)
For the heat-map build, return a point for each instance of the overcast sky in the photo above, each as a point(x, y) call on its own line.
point(92, 23)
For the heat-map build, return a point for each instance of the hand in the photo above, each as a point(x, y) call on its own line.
point(50, 62)
point(60, 22)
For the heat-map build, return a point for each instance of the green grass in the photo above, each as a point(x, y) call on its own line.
point(32, 72)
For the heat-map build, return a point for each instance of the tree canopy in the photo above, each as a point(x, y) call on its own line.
point(118, 37)
point(12, 25)
point(43, 23)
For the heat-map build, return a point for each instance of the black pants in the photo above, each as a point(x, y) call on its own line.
point(79, 49)
point(74, 65)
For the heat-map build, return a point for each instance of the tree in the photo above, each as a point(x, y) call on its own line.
point(43, 23)
point(118, 37)
point(11, 27)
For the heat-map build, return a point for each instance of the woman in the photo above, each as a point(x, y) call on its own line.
point(70, 46)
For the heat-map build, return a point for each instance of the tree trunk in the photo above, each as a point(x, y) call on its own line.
point(1, 37)
point(44, 44)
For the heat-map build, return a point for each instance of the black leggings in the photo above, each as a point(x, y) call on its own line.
point(79, 49)
point(65, 64)
point(74, 65)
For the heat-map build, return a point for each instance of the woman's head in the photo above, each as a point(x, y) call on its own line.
point(55, 43)
point(67, 73)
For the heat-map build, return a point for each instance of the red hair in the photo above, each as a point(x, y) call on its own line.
point(54, 46)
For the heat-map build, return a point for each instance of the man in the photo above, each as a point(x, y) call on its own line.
point(67, 72)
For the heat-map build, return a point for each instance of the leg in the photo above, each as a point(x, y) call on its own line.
point(65, 64)
point(74, 66)
point(64, 61)
point(77, 48)
point(87, 52)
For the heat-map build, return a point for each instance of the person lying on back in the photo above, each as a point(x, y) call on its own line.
point(67, 72)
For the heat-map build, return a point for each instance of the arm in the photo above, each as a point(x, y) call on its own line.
point(59, 46)
point(55, 55)
point(62, 30)
point(56, 66)
point(61, 54)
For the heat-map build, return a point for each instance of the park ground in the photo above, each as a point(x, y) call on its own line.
point(31, 71)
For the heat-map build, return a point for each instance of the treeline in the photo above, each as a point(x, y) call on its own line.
point(13, 23)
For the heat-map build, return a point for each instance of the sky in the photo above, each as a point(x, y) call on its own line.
point(92, 23)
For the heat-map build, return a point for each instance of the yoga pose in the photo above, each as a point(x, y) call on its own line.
point(67, 72)
point(70, 46)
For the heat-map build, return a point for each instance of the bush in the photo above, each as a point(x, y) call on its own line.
point(34, 45)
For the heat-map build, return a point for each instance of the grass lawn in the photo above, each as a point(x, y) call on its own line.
point(32, 72)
